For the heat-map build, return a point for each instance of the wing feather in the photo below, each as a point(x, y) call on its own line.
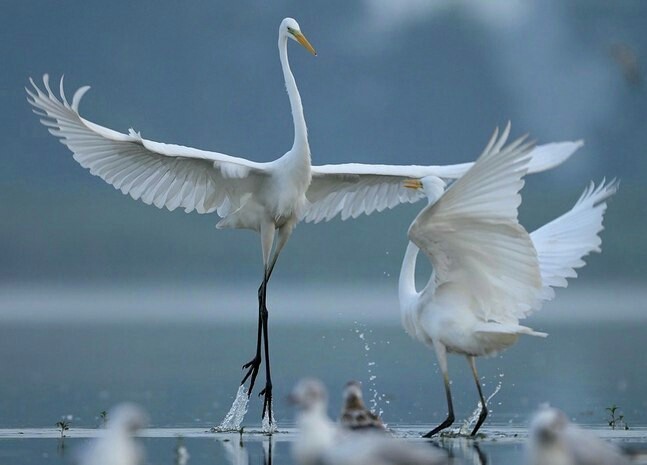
point(165, 175)
point(355, 182)
point(562, 243)
point(474, 240)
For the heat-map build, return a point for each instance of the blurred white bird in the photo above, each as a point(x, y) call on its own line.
point(554, 440)
point(488, 272)
point(354, 414)
point(322, 442)
point(117, 446)
point(269, 198)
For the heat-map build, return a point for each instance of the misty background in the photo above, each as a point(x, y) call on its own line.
point(104, 299)
point(407, 82)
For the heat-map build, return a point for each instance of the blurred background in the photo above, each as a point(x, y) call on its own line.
point(395, 82)
point(411, 82)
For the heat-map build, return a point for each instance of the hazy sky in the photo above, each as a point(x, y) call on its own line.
point(394, 82)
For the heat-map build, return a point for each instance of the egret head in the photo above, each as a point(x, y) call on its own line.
point(309, 394)
point(353, 395)
point(432, 186)
point(290, 28)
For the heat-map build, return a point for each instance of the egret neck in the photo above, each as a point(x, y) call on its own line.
point(300, 130)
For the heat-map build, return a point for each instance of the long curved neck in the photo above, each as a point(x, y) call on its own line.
point(407, 283)
point(300, 129)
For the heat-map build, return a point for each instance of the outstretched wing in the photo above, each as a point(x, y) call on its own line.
point(164, 175)
point(473, 238)
point(354, 189)
point(562, 243)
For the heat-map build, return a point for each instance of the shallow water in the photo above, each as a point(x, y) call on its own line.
point(497, 446)
point(186, 375)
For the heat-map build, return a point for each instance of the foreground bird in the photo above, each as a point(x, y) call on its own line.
point(488, 272)
point(354, 414)
point(554, 440)
point(117, 446)
point(269, 198)
point(322, 442)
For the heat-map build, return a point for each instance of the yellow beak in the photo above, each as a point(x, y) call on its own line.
point(303, 41)
point(412, 183)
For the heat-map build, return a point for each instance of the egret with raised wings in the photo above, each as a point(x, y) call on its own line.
point(488, 272)
point(269, 198)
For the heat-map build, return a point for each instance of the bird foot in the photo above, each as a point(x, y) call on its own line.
point(252, 372)
point(267, 401)
point(445, 424)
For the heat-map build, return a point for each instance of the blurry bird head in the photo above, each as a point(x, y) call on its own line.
point(127, 418)
point(547, 425)
point(353, 397)
point(309, 394)
point(290, 28)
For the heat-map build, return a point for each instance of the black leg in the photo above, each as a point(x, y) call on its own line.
point(254, 364)
point(267, 391)
point(450, 407)
point(483, 414)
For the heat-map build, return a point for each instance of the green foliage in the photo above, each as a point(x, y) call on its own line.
point(103, 417)
point(63, 426)
point(616, 419)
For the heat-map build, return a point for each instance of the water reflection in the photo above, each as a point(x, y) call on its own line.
point(464, 449)
point(60, 447)
point(181, 452)
point(236, 451)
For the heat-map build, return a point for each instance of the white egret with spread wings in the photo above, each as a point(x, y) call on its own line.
point(270, 198)
point(488, 272)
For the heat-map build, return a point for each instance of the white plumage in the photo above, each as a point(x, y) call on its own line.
point(354, 189)
point(265, 197)
point(174, 176)
point(562, 243)
point(488, 272)
point(270, 198)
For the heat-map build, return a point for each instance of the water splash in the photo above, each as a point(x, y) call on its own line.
point(375, 396)
point(236, 414)
point(467, 424)
point(267, 427)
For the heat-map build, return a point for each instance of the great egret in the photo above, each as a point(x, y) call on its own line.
point(354, 414)
point(269, 198)
point(117, 446)
point(488, 272)
point(554, 440)
point(322, 442)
